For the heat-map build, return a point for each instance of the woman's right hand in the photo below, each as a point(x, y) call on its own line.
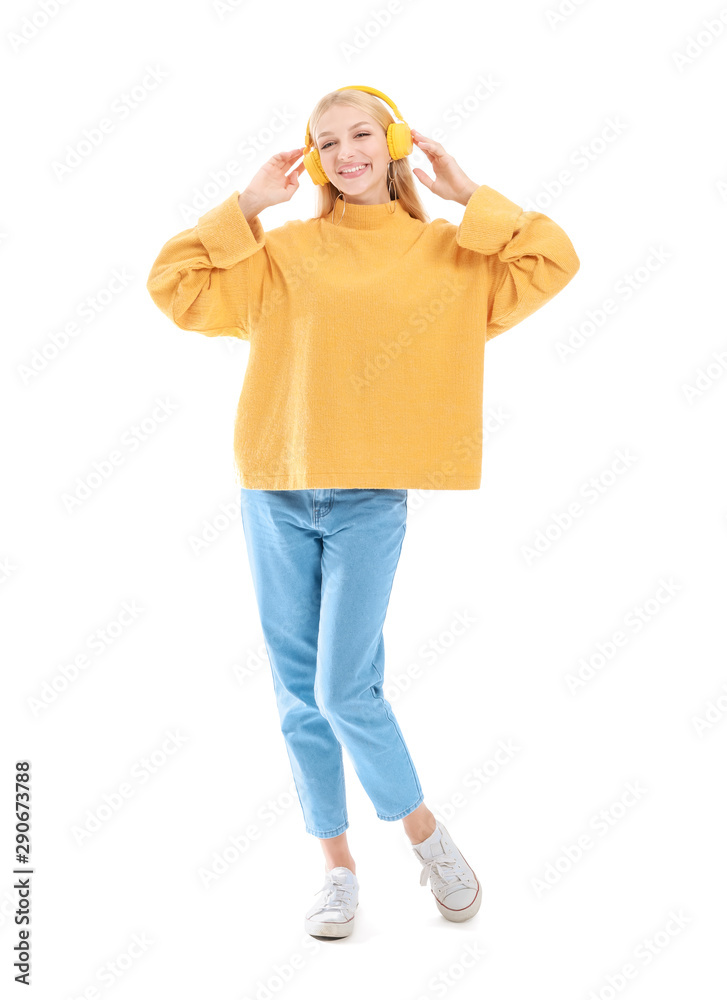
point(271, 185)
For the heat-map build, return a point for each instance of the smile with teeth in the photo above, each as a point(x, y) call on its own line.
point(353, 171)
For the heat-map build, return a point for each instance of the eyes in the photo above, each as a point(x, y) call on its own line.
point(332, 140)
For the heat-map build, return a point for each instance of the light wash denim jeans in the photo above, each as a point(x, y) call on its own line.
point(323, 564)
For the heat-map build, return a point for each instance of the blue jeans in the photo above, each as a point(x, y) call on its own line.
point(323, 564)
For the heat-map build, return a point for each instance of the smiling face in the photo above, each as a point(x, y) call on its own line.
point(346, 137)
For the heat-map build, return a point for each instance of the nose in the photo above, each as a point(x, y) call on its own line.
point(344, 156)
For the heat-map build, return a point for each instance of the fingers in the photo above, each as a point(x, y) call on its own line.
point(292, 154)
point(296, 171)
point(424, 178)
point(427, 145)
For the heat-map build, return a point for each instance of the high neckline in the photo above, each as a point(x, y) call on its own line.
point(365, 216)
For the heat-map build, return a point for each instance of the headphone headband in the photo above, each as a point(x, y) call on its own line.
point(368, 90)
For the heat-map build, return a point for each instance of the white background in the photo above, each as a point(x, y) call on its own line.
point(646, 202)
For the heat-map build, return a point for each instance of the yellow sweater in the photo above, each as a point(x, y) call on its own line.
point(367, 334)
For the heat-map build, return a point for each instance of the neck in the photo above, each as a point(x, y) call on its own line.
point(353, 216)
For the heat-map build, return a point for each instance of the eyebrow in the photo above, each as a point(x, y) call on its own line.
point(321, 134)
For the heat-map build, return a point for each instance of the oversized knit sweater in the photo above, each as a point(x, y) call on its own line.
point(367, 333)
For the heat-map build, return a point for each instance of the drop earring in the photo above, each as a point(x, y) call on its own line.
point(339, 195)
point(392, 181)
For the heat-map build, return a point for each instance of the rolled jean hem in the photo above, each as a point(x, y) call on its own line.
point(324, 835)
point(390, 819)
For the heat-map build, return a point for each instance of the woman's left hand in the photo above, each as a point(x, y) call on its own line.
point(452, 182)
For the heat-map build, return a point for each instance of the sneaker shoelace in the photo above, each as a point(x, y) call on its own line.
point(447, 870)
point(337, 894)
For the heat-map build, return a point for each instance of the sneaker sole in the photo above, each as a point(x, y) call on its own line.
point(329, 929)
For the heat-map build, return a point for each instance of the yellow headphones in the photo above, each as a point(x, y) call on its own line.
point(398, 139)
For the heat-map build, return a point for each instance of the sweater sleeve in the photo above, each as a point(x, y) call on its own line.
point(528, 257)
point(201, 276)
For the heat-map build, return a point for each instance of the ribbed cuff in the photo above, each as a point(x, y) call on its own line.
point(227, 235)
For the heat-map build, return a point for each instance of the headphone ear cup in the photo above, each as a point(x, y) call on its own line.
point(312, 163)
point(399, 140)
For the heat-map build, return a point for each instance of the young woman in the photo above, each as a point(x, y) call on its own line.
point(367, 325)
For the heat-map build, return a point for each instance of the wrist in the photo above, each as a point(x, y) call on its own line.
point(250, 205)
point(466, 193)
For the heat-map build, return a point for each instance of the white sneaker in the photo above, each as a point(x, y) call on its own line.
point(335, 907)
point(453, 883)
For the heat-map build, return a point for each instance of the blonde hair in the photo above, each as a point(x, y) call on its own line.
point(403, 178)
